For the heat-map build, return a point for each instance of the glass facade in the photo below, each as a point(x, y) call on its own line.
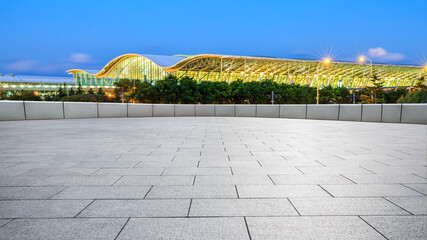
point(231, 68)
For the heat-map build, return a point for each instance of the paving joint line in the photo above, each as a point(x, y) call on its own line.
point(237, 192)
point(84, 208)
point(122, 229)
point(189, 207)
point(116, 180)
point(373, 227)
point(289, 200)
point(147, 192)
point(325, 190)
point(247, 228)
point(348, 178)
point(397, 205)
point(58, 193)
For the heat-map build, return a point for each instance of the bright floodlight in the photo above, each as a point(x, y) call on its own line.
point(327, 61)
point(362, 59)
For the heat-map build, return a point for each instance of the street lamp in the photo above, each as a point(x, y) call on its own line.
point(362, 59)
point(326, 61)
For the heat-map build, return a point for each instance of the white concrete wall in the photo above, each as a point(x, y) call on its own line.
point(80, 110)
point(297, 111)
point(350, 112)
point(185, 110)
point(140, 110)
point(244, 110)
point(414, 113)
point(43, 110)
point(112, 110)
point(224, 110)
point(12, 110)
point(371, 112)
point(207, 110)
point(391, 113)
point(267, 110)
point(322, 111)
point(163, 110)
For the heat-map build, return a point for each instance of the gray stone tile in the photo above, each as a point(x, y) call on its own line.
point(209, 164)
point(192, 192)
point(419, 187)
point(342, 227)
point(334, 170)
point(106, 164)
point(155, 180)
point(138, 208)
point(28, 192)
point(41, 208)
point(264, 170)
point(281, 191)
point(44, 172)
point(185, 228)
point(283, 179)
point(197, 171)
point(129, 171)
point(45, 229)
point(346, 206)
point(78, 181)
point(385, 178)
point(20, 181)
point(370, 190)
point(4, 222)
point(167, 164)
point(400, 227)
point(415, 205)
point(241, 207)
point(101, 192)
point(233, 180)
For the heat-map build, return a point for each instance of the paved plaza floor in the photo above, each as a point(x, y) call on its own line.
point(212, 178)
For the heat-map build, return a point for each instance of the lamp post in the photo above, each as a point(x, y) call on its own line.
point(325, 61)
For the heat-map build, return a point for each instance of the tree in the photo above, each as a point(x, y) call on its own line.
point(121, 91)
point(374, 93)
point(79, 89)
point(90, 92)
point(71, 92)
point(421, 83)
point(100, 92)
point(61, 92)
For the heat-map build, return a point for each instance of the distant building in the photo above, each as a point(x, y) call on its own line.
point(210, 67)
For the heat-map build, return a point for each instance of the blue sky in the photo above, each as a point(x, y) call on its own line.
point(50, 37)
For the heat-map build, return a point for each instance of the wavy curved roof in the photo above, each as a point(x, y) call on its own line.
point(242, 67)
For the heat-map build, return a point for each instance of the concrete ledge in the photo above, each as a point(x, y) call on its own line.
point(12, 110)
point(322, 112)
point(371, 112)
point(350, 112)
point(245, 110)
point(391, 113)
point(44, 110)
point(224, 110)
point(205, 110)
point(267, 110)
point(140, 110)
point(414, 113)
point(293, 111)
point(163, 110)
point(112, 110)
point(80, 110)
point(185, 110)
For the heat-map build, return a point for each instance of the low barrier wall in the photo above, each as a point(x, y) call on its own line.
point(389, 113)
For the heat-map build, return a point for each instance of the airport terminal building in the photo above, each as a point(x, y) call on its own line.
point(208, 67)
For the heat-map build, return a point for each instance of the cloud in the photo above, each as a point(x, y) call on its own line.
point(23, 65)
point(381, 54)
point(80, 58)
